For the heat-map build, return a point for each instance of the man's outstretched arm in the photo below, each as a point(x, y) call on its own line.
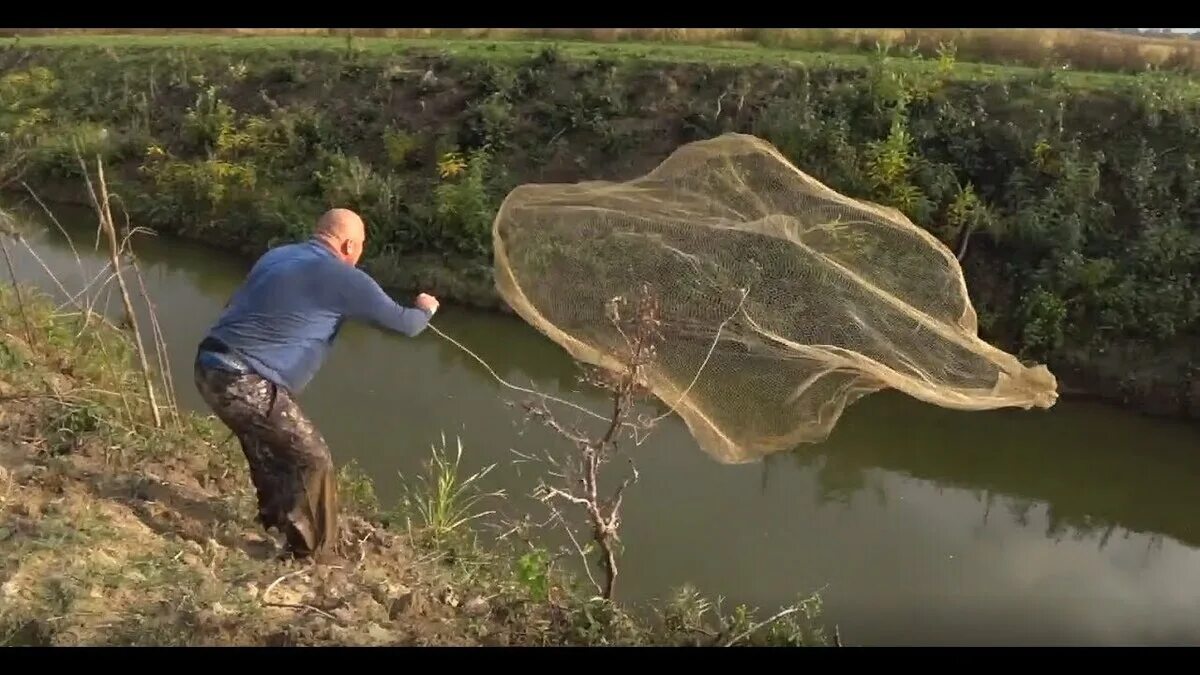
point(366, 301)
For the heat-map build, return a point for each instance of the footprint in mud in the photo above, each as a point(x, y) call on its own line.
point(168, 509)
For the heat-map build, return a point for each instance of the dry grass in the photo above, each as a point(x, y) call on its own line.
point(1081, 49)
point(114, 535)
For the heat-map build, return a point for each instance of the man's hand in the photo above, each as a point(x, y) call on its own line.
point(427, 302)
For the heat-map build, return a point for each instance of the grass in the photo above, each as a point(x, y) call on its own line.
point(519, 50)
point(1083, 49)
point(442, 502)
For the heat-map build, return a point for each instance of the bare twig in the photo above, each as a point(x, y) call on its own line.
point(160, 348)
point(84, 291)
point(306, 607)
point(291, 605)
point(553, 492)
point(58, 396)
point(86, 318)
point(160, 342)
point(275, 583)
point(54, 277)
point(112, 369)
point(761, 624)
point(61, 229)
point(578, 549)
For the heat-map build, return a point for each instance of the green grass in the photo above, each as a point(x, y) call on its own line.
point(730, 54)
point(443, 501)
point(1084, 49)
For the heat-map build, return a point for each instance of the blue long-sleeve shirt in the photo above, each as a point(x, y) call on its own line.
point(285, 316)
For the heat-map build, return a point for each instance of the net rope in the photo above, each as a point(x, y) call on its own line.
point(525, 390)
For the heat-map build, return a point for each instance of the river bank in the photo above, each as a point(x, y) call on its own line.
point(116, 532)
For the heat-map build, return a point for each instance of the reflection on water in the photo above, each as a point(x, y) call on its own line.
point(922, 525)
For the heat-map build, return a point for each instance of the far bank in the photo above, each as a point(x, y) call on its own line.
point(1069, 197)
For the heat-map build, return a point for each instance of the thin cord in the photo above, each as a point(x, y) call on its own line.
point(502, 381)
point(712, 348)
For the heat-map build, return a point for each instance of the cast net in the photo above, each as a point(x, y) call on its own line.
point(787, 299)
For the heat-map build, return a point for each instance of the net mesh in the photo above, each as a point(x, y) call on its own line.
point(795, 299)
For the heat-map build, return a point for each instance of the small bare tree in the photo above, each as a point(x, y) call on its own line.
point(579, 474)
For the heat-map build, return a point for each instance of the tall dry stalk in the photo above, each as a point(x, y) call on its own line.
point(112, 363)
point(160, 346)
point(160, 340)
point(100, 202)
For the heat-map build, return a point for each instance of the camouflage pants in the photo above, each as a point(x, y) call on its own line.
point(289, 461)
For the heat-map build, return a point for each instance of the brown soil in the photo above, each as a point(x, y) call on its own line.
point(98, 546)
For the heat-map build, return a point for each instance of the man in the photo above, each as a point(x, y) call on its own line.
point(267, 345)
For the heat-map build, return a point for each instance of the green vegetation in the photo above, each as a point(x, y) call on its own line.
point(1080, 49)
point(118, 532)
point(1072, 196)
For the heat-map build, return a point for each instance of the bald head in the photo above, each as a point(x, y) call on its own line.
point(342, 224)
point(343, 231)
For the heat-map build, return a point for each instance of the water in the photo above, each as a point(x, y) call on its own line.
point(921, 525)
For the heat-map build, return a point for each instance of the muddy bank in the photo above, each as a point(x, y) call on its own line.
point(116, 532)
